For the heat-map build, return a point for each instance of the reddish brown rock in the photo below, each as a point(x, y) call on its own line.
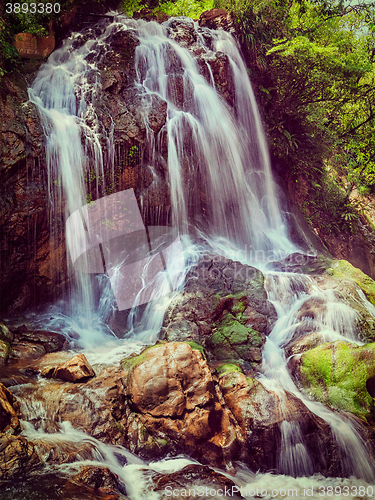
point(76, 369)
point(191, 477)
point(105, 393)
point(175, 405)
point(216, 19)
point(32, 47)
point(100, 480)
point(261, 415)
point(8, 417)
point(17, 457)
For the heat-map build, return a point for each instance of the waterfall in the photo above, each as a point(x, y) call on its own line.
point(212, 149)
point(215, 153)
point(222, 193)
point(288, 293)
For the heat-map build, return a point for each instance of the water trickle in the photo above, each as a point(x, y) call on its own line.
point(335, 321)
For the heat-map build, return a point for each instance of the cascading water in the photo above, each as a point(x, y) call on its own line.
point(216, 153)
point(335, 323)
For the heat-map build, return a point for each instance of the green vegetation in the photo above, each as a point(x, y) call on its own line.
point(336, 374)
point(228, 367)
point(342, 269)
point(189, 8)
point(196, 347)
point(312, 63)
point(233, 341)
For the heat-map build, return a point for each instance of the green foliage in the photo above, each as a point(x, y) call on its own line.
point(189, 8)
point(128, 7)
point(9, 56)
point(314, 64)
point(23, 21)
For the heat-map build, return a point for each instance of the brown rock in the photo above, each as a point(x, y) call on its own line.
point(8, 418)
point(17, 457)
point(27, 350)
point(32, 47)
point(261, 415)
point(177, 406)
point(76, 369)
point(105, 393)
point(304, 344)
point(190, 477)
point(171, 379)
point(99, 479)
point(216, 19)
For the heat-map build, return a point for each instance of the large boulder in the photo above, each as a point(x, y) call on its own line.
point(195, 480)
point(99, 406)
point(17, 457)
point(224, 307)
point(76, 369)
point(268, 419)
point(340, 375)
point(175, 405)
point(32, 344)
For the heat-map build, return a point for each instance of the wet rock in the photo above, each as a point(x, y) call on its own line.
point(200, 480)
point(263, 415)
point(182, 330)
point(217, 19)
point(25, 278)
point(117, 64)
point(221, 72)
point(175, 406)
point(303, 344)
point(4, 352)
point(233, 341)
point(106, 394)
point(302, 263)
point(32, 344)
point(355, 289)
point(76, 369)
point(27, 350)
point(5, 334)
point(340, 374)
point(182, 31)
point(223, 307)
point(17, 457)
point(99, 479)
point(9, 422)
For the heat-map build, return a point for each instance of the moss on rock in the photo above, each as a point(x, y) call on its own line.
point(342, 269)
point(135, 360)
point(196, 347)
point(228, 367)
point(336, 374)
point(234, 341)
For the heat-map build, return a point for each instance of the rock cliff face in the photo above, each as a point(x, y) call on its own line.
point(33, 256)
point(24, 243)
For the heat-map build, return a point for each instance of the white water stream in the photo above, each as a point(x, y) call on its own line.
point(226, 158)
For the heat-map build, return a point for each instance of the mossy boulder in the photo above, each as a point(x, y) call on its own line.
point(341, 375)
point(228, 367)
point(342, 269)
point(4, 352)
point(224, 308)
point(234, 341)
point(5, 334)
